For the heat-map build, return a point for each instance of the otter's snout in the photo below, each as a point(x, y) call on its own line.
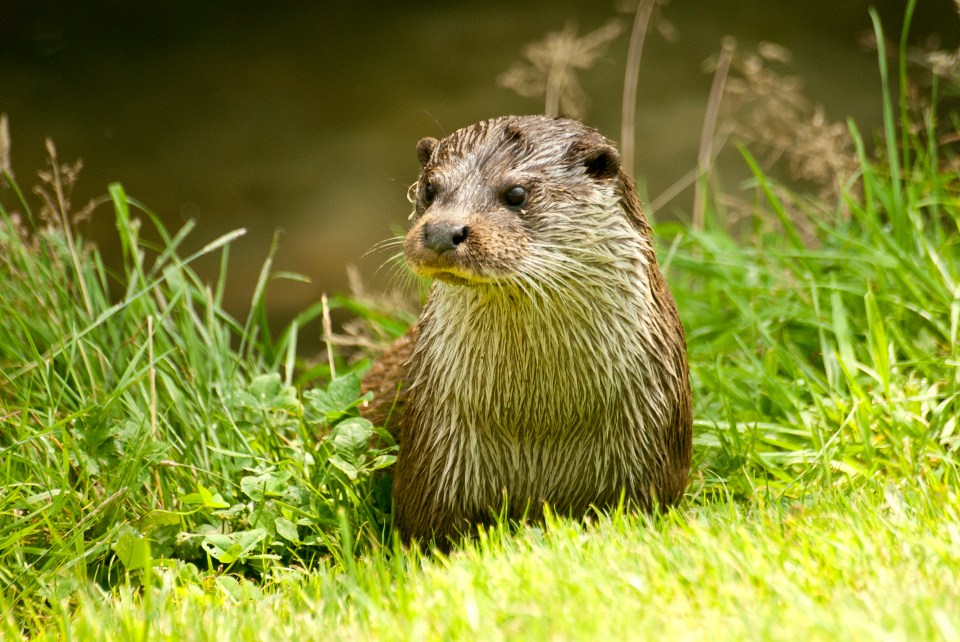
point(443, 236)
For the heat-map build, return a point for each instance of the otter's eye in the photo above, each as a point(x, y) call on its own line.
point(515, 196)
point(429, 193)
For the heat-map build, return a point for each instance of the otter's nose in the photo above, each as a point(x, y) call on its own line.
point(443, 236)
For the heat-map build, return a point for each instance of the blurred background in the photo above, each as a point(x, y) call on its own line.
point(303, 116)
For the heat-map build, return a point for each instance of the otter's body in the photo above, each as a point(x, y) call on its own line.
point(548, 364)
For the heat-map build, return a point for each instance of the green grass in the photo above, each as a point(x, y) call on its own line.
point(158, 427)
point(859, 567)
point(170, 472)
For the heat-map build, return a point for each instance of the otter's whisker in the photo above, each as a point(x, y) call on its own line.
point(384, 245)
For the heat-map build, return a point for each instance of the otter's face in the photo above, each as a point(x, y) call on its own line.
point(492, 193)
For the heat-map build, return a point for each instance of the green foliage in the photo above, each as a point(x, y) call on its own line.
point(830, 362)
point(134, 433)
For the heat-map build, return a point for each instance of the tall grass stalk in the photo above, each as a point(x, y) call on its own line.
point(628, 111)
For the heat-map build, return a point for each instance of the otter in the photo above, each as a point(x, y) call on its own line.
point(548, 364)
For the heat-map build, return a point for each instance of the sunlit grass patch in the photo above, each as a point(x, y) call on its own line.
point(862, 566)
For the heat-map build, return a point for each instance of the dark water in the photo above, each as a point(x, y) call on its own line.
point(304, 115)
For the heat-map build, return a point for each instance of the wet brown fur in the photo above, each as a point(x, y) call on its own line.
point(549, 362)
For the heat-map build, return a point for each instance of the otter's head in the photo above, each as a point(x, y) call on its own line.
point(494, 196)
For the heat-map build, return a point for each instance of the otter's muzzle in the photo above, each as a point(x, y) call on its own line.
point(443, 236)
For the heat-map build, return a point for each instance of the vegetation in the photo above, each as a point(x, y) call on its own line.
point(158, 427)
point(170, 472)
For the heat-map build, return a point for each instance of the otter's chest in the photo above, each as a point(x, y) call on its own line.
point(542, 411)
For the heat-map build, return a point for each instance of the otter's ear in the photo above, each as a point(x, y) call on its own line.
point(425, 150)
point(601, 160)
point(598, 157)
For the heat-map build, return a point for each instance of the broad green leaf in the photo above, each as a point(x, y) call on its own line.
point(132, 549)
point(158, 517)
point(332, 404)
point(352, 436)
point(188, 573)
point(205, 497)
point(348, 468)
point(270, 484)
point(287, 529)
point(344, 391)
point(230, 587)
point(383, 461)
point(235, 546)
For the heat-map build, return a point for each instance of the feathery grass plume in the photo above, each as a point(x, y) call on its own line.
point(945, 63)
point(553, 64)
point(769, 112)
